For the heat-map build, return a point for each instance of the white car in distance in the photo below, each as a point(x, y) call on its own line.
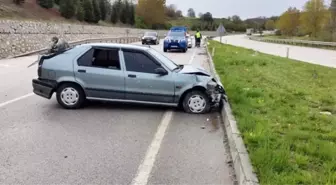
point(189, 41)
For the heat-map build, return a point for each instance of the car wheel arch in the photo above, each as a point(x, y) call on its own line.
point(70, 82)
point(199, 88)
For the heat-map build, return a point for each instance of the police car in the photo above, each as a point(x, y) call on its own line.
point(176, 39)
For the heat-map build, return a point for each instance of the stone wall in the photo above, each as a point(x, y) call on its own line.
point(17, 37)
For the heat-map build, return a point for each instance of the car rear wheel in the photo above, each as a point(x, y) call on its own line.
point(196, 102)
point(164, 49)
point(70, 96)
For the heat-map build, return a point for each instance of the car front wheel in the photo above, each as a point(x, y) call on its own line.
point(196, 102)
point(70, 96)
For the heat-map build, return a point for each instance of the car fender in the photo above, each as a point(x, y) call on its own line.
point(70, 79)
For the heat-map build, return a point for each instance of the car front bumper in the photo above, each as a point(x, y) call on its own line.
point(44, 88)
point(149, 41)
point(175, 45)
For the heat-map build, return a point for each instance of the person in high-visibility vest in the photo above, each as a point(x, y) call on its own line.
point(198, 37)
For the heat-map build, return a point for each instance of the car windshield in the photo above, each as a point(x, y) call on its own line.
point(176, 34)
point(166, 61)
point(150, 34)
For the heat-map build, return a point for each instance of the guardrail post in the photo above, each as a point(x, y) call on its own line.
point(287, 52)
point(213, 52)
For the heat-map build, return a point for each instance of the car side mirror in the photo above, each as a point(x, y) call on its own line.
point(161, 71)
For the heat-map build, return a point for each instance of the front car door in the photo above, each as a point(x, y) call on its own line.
point(141, 81)
point(100, 73)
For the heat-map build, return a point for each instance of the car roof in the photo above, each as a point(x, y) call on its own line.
point(119, 45)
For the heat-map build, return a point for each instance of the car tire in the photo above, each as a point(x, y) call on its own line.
point(196, 102)
point(164, 49)
point(70, 91)
point(184, 50)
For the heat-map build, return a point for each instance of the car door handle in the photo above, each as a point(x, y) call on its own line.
point(132, 76)
point(81, 70)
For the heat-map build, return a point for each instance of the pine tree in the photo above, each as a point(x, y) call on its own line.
point(124, 16)
point(96, 11)
point(67, 8)
point(103, 10)
point(132, 14)
point(88, 11)
point(80, 12)
point(19, 2)
point(46, 3)
point(114, 14)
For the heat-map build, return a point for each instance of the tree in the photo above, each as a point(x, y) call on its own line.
point(103, 4)
point(314, 17)
point(67, 8)
point(170, 11)
point(124, 15)
point(131, 20)
point(191, 13)
point(178, 13)
point(80, 12)
point(289, 22)
point(207, 17)
point(96, 11)
point(333, 19)
point(88, 11)
point(46, 3)
point(200, 15)
point(57, 2)
point(152, 11)
point(114, 14)
point(270, 24)
point(19, 2)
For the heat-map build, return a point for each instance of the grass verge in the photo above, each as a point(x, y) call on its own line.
point(277, 104)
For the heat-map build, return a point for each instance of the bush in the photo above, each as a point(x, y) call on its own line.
point(46, 3)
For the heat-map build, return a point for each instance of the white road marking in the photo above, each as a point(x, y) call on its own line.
point(146, 166)
point(4, 65)
point(192, 57)
point(16, 99)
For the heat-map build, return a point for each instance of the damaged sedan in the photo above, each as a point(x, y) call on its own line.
point(125, 73)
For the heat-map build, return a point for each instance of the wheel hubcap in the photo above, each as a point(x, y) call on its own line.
point(69, 96)
point(196, 103)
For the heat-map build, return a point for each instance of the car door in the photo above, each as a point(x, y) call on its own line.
point(142, 83)
point(101, 74)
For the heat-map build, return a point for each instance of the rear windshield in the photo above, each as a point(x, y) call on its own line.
point(176, 34)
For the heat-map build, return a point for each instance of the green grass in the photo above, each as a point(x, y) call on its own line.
point(277, 104)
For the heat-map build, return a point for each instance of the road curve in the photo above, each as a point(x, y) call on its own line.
point(104, 143)
point(317, 56)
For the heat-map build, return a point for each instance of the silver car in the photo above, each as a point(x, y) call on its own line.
point(125, 73)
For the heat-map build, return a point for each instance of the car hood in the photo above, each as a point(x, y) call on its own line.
point(189, 69)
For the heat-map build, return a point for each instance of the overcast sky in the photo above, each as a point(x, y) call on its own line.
point(243, 8)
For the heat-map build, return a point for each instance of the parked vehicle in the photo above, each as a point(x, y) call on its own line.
point(249, 31)
point(150, 38)
point(125, 73)
point(189, 41)
point(175, 40)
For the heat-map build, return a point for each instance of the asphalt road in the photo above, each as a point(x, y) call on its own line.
point(105, 143)
point(322, 57)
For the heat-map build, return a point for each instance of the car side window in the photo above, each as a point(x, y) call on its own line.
point(139, 62)
point(101, 58)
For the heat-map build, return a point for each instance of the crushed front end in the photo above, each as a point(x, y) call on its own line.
point(216, 92)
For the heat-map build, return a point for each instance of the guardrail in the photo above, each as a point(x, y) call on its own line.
point(329, 45)
point(125, 40)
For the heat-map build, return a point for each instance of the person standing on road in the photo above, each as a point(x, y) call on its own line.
point(198, 37)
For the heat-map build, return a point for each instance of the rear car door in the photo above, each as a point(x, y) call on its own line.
point(142, 82)
point(101, 74)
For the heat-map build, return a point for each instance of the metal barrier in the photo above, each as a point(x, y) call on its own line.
point(124, 40)
point(296, 42)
